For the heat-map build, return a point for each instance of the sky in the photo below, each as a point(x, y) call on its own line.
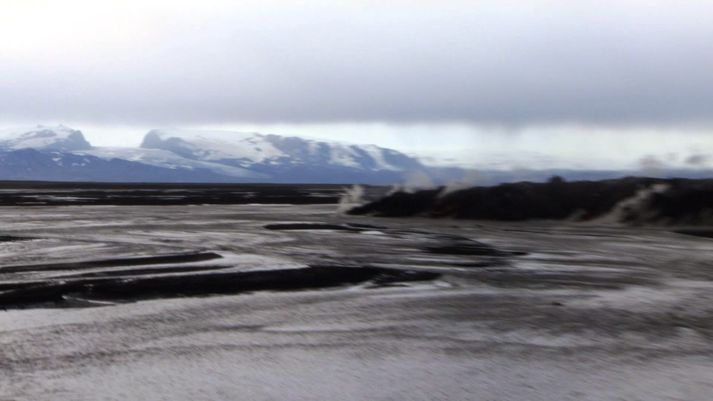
point(540, 83)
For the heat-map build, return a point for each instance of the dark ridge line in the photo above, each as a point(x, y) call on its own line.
point(12, 238)
point(128, 273)
point(321, 226)
point(309, 226)
point(30, 184)
point(313, 277)
point(472, 248)
point(443, 244)
point(704, 233)
point(148, 260)
point(153, 199)
point(530, 279)
point(80, 194)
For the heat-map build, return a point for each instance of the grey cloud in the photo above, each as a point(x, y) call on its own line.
point(698, 160)
point(483, 62)
point(652, 165)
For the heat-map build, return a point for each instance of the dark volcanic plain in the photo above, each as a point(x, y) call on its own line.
point(264, 292)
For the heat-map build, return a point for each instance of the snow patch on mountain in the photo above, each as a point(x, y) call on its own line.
point(213, 145)
point(167, 159)
point(251, 149)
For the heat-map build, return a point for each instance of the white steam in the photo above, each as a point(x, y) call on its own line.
point(351, 198)
point(469, 180)
point(635, 206)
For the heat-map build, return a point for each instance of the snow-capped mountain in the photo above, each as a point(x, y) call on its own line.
point(286, 159)
point(62, 153)
point(40, 137)
point(59, 153)
point(249, 149)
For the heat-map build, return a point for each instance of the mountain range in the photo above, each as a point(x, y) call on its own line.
point(59, 153)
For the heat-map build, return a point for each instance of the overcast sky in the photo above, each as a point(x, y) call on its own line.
point(517, 82)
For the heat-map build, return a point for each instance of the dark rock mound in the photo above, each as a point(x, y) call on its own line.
point(633, 200)
point(684, 202)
